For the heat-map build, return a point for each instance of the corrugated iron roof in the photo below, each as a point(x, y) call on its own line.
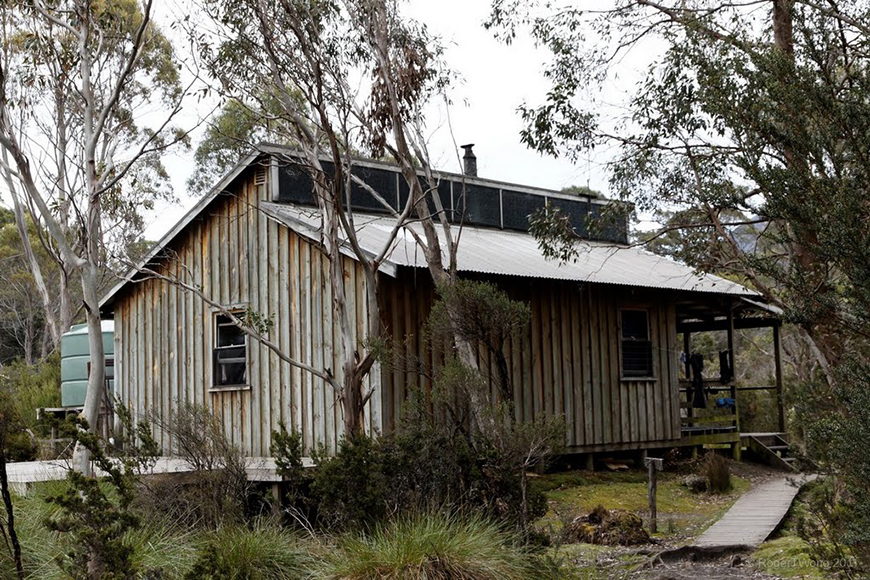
point(492, 251)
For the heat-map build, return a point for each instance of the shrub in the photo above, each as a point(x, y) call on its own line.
point(95, 513)
point(351, 488)
point(421, 467)
point(158, 547)
point(298, 497)
point(33, 386)
point(716, 471)
point(18, 443)
point(426, 464)
point(471, 447)
point(217, 491)
point(428, 469)
point(836, 424)
point(261, 553)
point(455, 444)
point(484, 467)
point(431, 546)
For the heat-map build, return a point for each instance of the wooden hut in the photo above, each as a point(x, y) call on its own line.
point(603, 348)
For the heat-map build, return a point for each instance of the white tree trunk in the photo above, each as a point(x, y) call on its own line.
point(97, 376)
point(33, 264)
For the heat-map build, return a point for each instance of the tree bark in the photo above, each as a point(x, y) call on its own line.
point(97, 376)
point(10, 514)
point(825, 343)
point(28, 342)
point(30, 257)
point(783, 26)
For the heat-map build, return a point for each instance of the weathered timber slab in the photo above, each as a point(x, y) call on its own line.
point(21, 474)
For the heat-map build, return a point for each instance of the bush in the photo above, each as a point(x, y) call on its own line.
point(454, 446)
point(419, 468)
point(483, 468)
point(716, 471)
point(159, 548)
point(431, 546)
point(18, 443)
point(351, 488)
point(836, 424)
point(95, 513)
point(261, 553)
point(33, 386)
point(217, 491)
point(427, 469)
point(298, 498)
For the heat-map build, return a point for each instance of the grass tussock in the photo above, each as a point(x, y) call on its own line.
point(263, 552)
point(166, 550)
point(716, 471)
point(430, 547)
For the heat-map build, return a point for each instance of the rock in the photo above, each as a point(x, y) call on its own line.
point(695, 483)
point(607, 527)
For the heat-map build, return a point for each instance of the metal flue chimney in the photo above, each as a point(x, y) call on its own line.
point(469, 161)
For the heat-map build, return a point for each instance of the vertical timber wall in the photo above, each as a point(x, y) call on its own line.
point(239, 257)
point(565, 363)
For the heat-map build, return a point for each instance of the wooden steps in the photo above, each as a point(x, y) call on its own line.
point(770, 448)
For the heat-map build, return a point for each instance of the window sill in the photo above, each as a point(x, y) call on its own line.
point(229, 388)
point(638, 379)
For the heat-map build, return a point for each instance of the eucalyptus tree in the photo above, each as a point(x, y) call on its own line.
point(751, 127)
point(337, 79)
point(24, 333)
point(88, 94)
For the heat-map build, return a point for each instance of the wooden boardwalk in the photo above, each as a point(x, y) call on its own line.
point(755, 515)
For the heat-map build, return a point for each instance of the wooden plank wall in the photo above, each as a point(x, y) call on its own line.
point(566, 362)
point(239, 256)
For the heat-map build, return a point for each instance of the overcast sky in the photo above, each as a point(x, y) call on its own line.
point(494, 80)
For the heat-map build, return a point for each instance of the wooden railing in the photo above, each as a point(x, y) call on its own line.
point(713, 419)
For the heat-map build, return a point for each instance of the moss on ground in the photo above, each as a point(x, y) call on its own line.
point(787, 557)
point(681, 513)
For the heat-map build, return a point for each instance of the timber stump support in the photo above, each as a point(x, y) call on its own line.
point(277, 496)
point(590, 462)
point(777, 360)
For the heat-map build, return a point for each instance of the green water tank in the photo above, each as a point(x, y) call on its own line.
point(75, 355)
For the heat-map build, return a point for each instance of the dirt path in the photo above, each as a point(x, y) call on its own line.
point(725, 568)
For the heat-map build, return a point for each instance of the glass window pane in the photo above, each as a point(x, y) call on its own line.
point(228, 334)
point(634, 325)
point(230, 353)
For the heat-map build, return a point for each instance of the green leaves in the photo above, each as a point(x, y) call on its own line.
point(96, 511)
point(557, 240)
